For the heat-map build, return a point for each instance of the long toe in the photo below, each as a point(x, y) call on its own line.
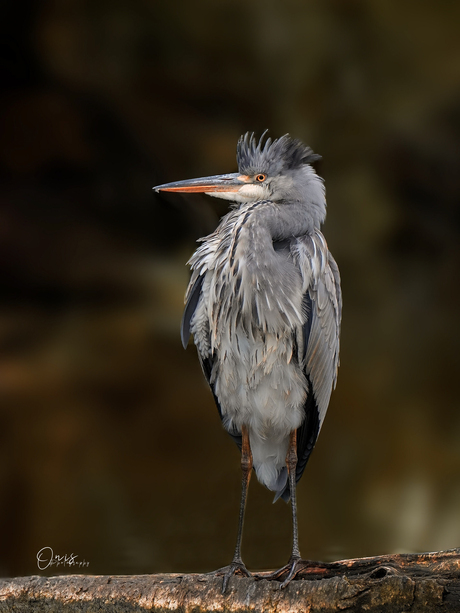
point(294, 566)
point(288, 572)
point(235, 568)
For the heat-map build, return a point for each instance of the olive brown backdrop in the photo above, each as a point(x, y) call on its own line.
point(111, 447)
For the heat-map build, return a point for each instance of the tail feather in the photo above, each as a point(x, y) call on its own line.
point(280, 487)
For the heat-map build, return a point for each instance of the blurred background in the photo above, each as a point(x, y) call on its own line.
point(111, 447)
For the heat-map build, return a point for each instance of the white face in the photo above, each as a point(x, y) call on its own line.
point(250, 192)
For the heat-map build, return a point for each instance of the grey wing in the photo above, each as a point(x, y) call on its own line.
point(194, 294)
point(318, 341)
point(322, 342)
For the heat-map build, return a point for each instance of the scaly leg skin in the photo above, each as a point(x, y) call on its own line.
point(237, 565)
point(295, 563)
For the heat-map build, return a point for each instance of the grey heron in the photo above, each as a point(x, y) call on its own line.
point(264, 307)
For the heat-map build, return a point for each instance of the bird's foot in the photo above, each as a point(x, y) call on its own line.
point(236, 567)
point(288, 572)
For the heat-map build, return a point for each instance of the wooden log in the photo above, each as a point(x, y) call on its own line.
point(422, 583)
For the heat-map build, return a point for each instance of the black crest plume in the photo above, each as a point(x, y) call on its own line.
point(272, 157)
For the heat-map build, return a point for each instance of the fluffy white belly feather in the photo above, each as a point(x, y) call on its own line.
point(261, 386)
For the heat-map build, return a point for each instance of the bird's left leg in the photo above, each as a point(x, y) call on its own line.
point(295, 563)
point(237, 565)
point(291, 463)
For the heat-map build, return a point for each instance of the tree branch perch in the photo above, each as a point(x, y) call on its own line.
point(392, 583)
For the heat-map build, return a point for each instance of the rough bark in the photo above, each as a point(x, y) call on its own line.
point(394, 583)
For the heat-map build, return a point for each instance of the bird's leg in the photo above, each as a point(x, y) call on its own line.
point(291, 463)
point(295, 563)
point(237, 565)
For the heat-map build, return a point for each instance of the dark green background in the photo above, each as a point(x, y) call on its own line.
point(110, 445)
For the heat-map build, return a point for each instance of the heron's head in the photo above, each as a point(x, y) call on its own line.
point(278, 170)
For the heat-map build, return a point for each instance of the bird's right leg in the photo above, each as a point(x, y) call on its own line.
point(237, 565)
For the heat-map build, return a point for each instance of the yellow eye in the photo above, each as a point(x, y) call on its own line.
point(261, 178)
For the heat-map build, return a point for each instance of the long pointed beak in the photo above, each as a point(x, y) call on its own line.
point(219, 183)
